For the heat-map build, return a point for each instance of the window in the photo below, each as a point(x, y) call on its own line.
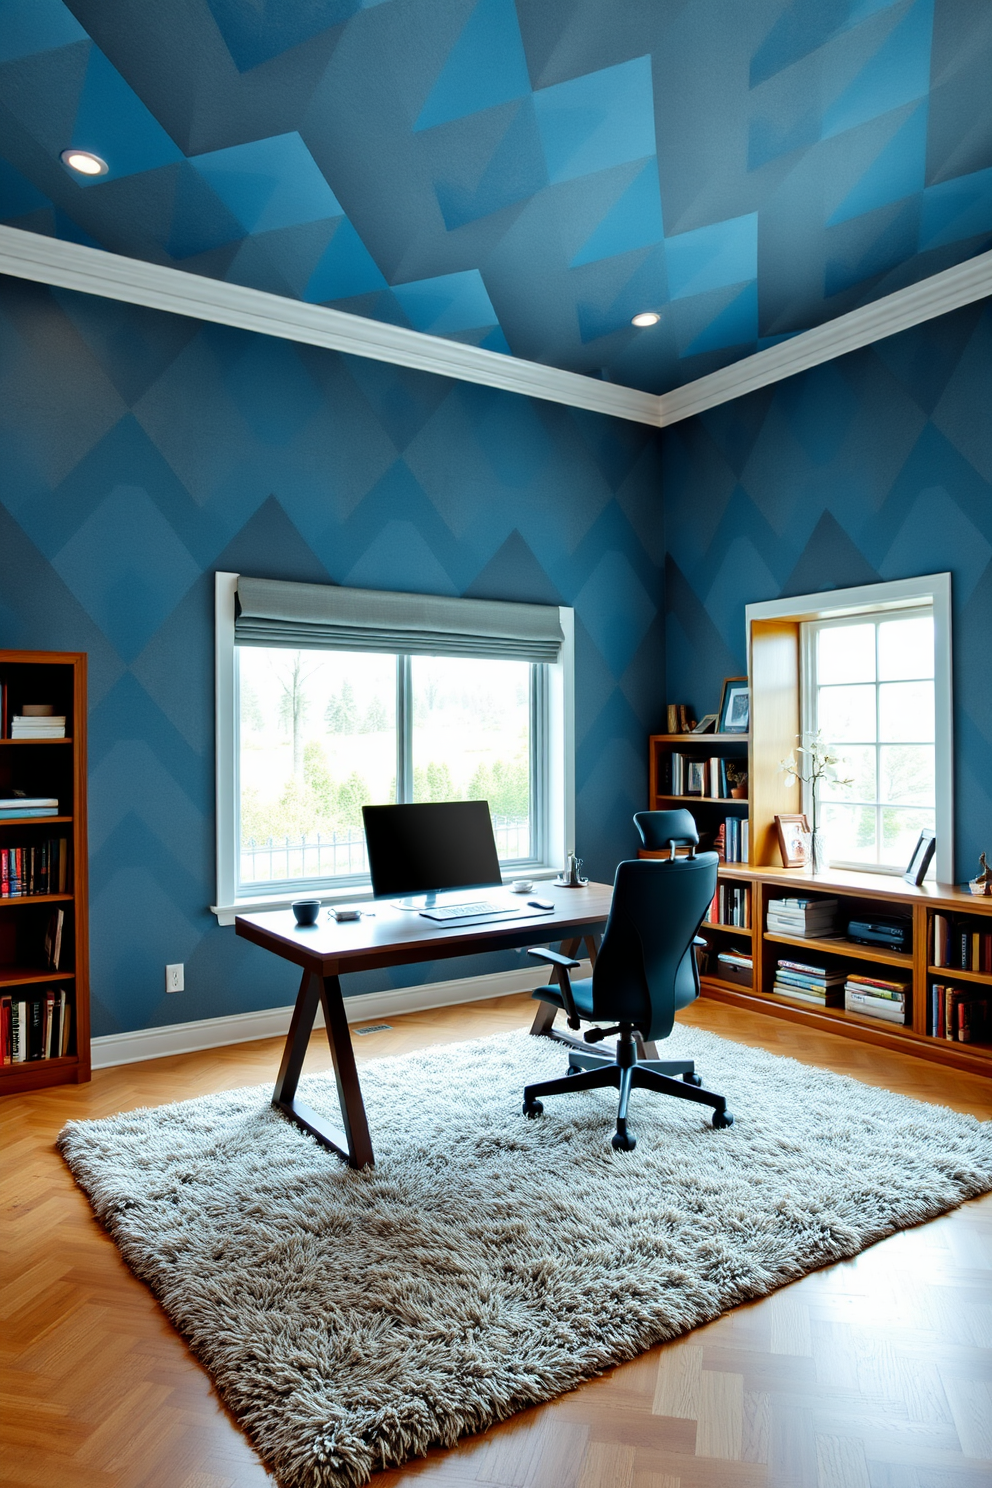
point(870, 669)
point(868, 688)
point(329, 699)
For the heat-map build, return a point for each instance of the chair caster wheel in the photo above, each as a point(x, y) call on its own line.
point(723, 1119)
point(623, 1142)
point(574, 1069)
point(532, 1109)
point(691, 1079)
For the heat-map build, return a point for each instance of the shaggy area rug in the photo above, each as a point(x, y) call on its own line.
point(351, 1320)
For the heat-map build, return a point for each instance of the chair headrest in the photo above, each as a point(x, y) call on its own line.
point(661, 829)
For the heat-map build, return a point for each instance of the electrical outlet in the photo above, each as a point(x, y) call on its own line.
point(174, 977)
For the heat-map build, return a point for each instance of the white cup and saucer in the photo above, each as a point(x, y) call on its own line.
point(521, 886)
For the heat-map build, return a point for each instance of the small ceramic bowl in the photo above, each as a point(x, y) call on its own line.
point(521, 886)
point(306, 911)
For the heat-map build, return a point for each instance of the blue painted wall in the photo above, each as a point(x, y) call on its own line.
point(875, 466)
point(141, 452)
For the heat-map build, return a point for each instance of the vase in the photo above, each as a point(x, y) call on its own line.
point(818, 852)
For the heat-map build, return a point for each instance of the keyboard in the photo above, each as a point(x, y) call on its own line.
point(473, 907)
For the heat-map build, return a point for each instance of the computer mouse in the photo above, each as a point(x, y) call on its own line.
point(541, 903)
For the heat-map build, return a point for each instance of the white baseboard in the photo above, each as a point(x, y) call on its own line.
point(243, 1028)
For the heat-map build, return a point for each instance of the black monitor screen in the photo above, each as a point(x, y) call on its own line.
point(431, 846)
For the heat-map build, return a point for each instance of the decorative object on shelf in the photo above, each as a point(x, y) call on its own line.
point(981, 885)
point(816, 764)
point(923, 852)
point(708, 724)
point(571, 878)
point(735, 706)
point(680, 719)
point(793, 840)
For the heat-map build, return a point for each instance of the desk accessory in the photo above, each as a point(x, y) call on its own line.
point(346, 914)
point(306, 911)
point(541, 903)
point(521, 886)
point(571, 878)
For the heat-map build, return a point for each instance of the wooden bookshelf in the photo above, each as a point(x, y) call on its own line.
point(49, 767)
point(709, 812)
point(856, 891)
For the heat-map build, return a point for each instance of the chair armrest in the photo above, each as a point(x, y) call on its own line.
point(698, 940)
point(554, 958)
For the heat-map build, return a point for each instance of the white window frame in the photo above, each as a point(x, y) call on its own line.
point(559, 824)
point(808, 683)
point(933, 590)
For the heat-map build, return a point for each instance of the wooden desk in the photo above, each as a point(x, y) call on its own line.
point(389, 937)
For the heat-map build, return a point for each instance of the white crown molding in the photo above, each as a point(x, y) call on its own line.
point(245, 1028)
point(948, 290)
point(92, 271)
point(47, 260)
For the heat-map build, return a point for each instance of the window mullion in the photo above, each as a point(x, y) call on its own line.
point(404, 729)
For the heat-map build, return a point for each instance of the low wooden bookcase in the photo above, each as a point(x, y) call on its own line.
point(54, 768)
point(877, 895)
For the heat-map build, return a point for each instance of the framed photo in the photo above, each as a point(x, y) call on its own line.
point(735, 706)
point(706, 725)
point(696, 778)
point(793, 840)
point(920, 861)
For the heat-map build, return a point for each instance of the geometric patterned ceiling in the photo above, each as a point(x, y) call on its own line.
point(523, 175)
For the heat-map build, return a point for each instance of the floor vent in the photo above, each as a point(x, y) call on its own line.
point(374, 1028)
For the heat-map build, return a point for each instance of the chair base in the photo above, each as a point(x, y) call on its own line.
point(596, 1072)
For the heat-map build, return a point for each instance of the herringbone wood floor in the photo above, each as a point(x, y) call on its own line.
point(876, 1373)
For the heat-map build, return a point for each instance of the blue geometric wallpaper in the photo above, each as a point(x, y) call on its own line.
point(523, 175)
point(875, 466)
point(141, 452)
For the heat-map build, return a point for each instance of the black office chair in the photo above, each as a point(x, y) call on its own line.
point(644, 972)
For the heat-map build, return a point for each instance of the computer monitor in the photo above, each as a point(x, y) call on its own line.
point(423, 849)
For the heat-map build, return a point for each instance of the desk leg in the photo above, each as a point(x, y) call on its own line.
point(354, 1143)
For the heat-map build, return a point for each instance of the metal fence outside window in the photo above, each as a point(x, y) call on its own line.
point(342, 854)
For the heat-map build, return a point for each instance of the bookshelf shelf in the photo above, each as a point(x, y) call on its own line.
point(31, 821)
point(843, 948)
point(19, 900)
point(37, 930)
point(731, 929)
point(21, 975)
point(955, 974)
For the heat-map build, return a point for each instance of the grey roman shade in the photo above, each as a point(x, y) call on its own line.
point(270, 612)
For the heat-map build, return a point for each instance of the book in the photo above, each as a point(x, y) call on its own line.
point(875, 1007)
point(53, 938)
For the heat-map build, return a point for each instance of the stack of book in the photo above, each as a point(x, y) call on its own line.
point(19, 806)
point(962, 1014)
point(876, 998)
point(736, 966)
point(806, 918)
point(816, 984)
point(37, 726)
point(35, 1026)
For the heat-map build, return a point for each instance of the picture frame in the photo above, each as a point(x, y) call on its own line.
point(735, 706)
point(923, 852)
point(707, 725)
point(794, 840)
point(695, 778)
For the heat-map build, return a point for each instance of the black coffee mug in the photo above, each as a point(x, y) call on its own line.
point(306, 911)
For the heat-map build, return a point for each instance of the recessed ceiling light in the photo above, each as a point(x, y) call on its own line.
point(85, 162)
point(646, 318)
